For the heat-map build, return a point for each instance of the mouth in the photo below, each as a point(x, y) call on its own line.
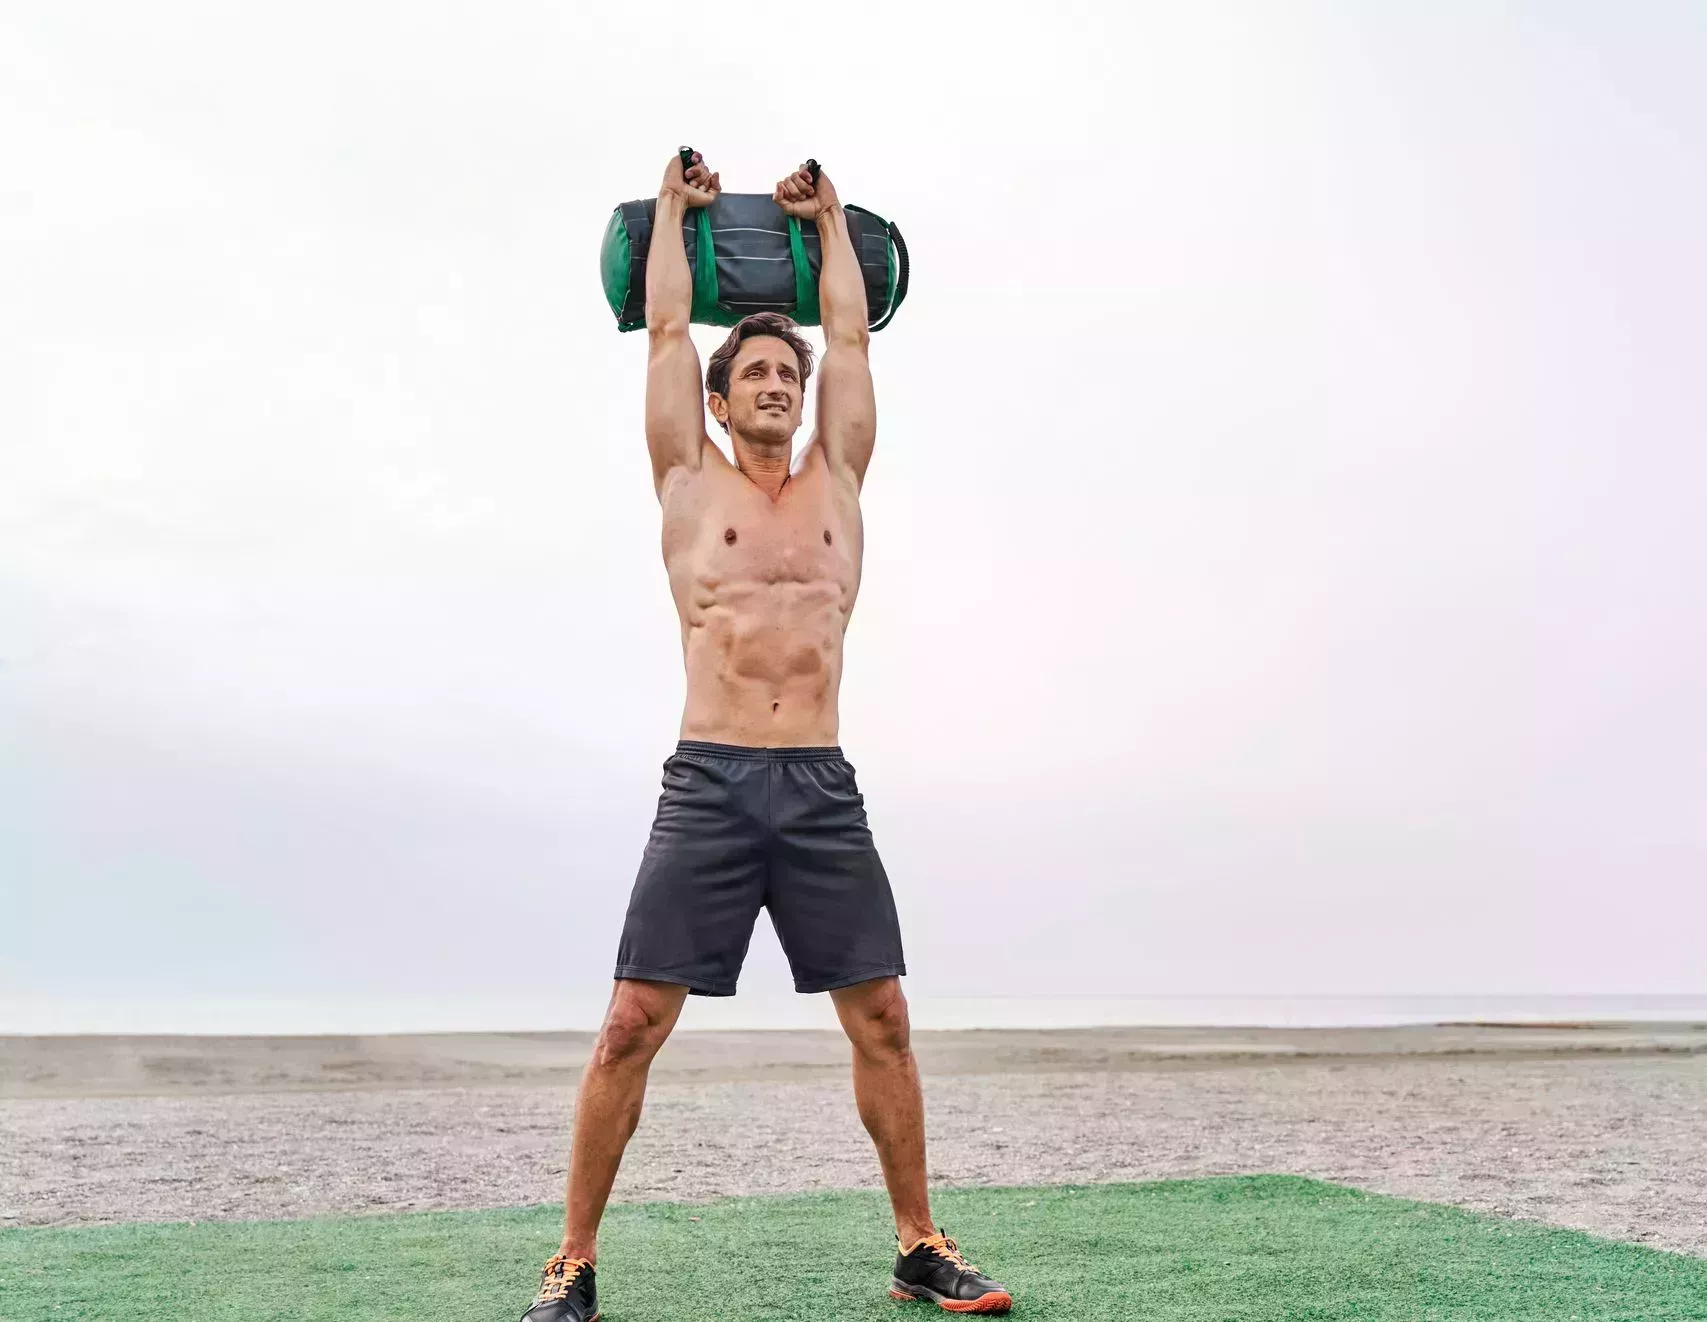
point(773, 408)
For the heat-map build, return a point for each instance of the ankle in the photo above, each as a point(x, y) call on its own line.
point(911, 1234)
point(577, 1247)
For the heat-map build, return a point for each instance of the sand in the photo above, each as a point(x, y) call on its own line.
point(1603, 1128)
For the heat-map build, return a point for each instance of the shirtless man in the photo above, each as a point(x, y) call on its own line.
point(759, 807)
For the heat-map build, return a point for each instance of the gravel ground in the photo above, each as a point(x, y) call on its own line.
point(1614, 1144)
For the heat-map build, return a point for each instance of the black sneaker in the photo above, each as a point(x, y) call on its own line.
point(934, 1270)
point(566, 1293)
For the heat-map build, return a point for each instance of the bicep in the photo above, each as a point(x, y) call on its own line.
point(675, 411)
point(847, 406)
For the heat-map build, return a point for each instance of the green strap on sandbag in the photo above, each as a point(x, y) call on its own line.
point(805, 287)
point(704, 269)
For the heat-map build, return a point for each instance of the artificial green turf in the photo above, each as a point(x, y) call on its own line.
point(1262, 1247)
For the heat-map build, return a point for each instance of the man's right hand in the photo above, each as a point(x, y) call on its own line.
point(697, 186)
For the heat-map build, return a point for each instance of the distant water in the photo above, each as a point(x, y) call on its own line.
point(771, 1010)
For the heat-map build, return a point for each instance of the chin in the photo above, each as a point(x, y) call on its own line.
point(771, 427)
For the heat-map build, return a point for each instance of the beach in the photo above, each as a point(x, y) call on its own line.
point(1601, 1127)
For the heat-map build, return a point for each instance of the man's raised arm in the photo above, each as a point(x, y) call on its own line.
point(847, 403)
point(675, 408)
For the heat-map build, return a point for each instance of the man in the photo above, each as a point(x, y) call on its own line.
point(759, 807)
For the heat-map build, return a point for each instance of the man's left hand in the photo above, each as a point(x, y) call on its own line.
point(799, 196)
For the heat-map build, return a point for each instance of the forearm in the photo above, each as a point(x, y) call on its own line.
point(669, 283)
point(841, 288)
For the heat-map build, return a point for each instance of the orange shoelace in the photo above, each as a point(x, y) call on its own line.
point(946, 1249)
point(559, 1278)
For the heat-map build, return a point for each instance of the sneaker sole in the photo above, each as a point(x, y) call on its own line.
point(997, 1301)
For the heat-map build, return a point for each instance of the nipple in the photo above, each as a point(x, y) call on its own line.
point(729, 536)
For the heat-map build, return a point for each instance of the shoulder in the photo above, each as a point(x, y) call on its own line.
point(690, 481)
point(815, 462)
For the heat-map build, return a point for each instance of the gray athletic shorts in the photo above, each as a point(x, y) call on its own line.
point(741, 828)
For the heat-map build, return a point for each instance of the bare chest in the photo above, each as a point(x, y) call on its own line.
point(796, 544)
point(735, 539)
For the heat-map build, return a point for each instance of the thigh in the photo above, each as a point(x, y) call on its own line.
point(701, 880)
point(828, 893)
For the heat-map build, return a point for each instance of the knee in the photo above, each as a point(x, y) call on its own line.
point(632, 1032)
point(882, 1030)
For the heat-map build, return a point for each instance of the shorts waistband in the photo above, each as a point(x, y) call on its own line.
point(743, 753)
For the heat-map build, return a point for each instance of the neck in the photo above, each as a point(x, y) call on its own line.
point(764, 464)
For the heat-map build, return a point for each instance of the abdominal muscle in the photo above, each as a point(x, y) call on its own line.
point(764, 662)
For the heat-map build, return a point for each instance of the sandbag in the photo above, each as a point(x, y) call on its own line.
point(761, 260)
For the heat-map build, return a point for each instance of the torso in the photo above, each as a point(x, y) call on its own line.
point(762, 612)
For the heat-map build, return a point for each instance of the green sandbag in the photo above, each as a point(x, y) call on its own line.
point(763, 260)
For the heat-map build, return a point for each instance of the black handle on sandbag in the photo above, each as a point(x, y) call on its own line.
point(686, 153)
point(902, 271)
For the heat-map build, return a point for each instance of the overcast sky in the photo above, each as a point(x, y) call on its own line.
point(1285, 567)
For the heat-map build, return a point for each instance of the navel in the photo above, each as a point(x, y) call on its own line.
point(729, 536)
point(826, 537)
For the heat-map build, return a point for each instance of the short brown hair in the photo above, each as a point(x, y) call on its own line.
point(722, 362)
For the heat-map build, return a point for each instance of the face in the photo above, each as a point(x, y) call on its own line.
point(765, 391)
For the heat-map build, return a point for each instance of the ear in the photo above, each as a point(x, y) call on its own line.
point(719, 407)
